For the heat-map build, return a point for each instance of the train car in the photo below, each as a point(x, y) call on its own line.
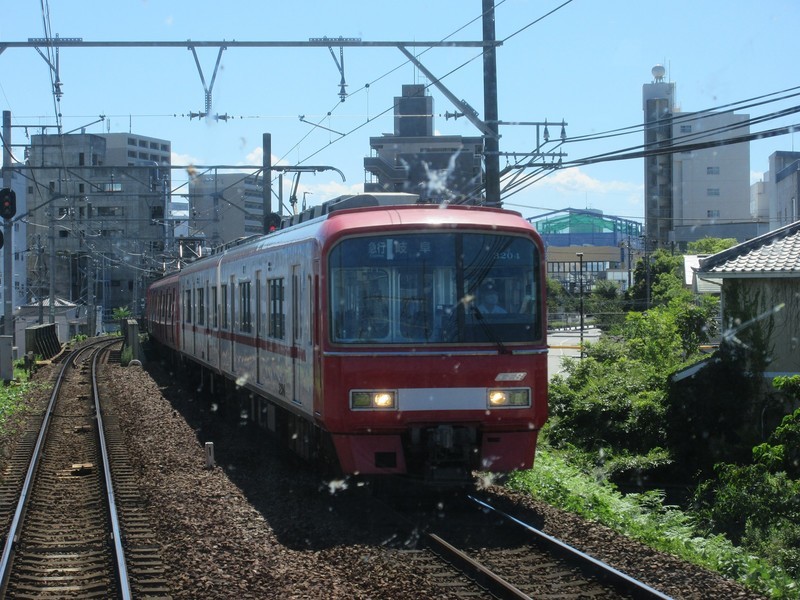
point(392, 340)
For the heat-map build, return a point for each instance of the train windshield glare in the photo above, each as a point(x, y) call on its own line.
point(447, 287)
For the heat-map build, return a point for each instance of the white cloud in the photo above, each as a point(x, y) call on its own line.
point(317, 192)
point(574, 188)
point(256, 158)
point(570, 181)
point(184, 159)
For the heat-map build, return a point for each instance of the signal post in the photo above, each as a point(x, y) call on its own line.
point(8, 207)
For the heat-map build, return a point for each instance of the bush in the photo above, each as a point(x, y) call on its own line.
point(758, 505)
point(126, 356)
point(755, 508)
point(645, 517)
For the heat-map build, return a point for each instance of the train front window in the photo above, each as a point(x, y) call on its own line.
point(446, 287)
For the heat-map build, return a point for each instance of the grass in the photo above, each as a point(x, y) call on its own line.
point(645, 517)
point(12, 396)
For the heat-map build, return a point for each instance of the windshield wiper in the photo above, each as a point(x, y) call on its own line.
point(489, 331)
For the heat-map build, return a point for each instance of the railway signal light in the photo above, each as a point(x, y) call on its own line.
point(8, 203)
point(272, 222)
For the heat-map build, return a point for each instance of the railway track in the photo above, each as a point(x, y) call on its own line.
point(566, 571)
point(77, 528)
point(473, 549)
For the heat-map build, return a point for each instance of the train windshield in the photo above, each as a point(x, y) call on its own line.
point(444, 287)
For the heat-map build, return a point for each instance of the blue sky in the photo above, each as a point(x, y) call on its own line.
point(585, 63)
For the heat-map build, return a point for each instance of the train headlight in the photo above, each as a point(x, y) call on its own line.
point(373, 400)
point(508, 398)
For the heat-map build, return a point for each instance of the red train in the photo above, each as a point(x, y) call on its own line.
point(390, 339)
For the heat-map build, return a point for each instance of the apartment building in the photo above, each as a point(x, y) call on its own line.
point(98, 223)
point(225, 206)
point(696, 184)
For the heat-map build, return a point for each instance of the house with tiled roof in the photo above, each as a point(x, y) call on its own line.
point(760, 299)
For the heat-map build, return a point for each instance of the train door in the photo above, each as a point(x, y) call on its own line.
point(175, 317)
point(295, 331)
point(213, 323)
point(187, 317)
point(259, 325)
point(193, 312)
point(207, 320)
point(233, 325)
point(200, 319)
point(302, 347)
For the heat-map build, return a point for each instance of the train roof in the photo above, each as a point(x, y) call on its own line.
point(365, 217)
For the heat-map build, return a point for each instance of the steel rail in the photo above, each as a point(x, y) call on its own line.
point(484, 577)
point(588, 564)
point(116, 530)
point(12, 538)
point(22, 504)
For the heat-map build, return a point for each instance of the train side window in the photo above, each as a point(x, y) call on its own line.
point(277, 316)
point(187, 309)
point(245, 312)
point(214, 307)
point(233, 303)
point(258, 302)
point(201, 306)
point(224, 303)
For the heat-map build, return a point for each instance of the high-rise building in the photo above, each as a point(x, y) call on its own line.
point(98, 217)
point(783, 188)
point(225, 207)
point(696, 184)
point(438, 168)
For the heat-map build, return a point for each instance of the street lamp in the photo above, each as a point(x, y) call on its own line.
point(580, 258)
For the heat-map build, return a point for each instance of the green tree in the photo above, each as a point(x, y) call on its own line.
point(555, 291)
point(710, 245)
point(758, 505)
point(608, 411)
point(784, 444)
point(558, 300)
point(610, 408)
point(667, 288)
point(695, 321)
point(660, 263)
point(606, 305)
point(120, 313)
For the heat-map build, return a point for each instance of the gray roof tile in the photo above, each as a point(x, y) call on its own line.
point(774, 253)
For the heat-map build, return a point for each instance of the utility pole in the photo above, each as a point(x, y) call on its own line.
point(266, 167)
point(51, 242)
point(491, 142)
point(91, 311)
point(646, 272)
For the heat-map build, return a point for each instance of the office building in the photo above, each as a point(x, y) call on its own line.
point(225, 207)
point(98, 217)
point(782, 189)
point(437, 168)
point(696, 184)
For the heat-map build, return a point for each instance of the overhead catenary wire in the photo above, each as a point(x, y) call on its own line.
point(520, 182)
point(50, 46)
point(682, 143)
point(443, 77)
